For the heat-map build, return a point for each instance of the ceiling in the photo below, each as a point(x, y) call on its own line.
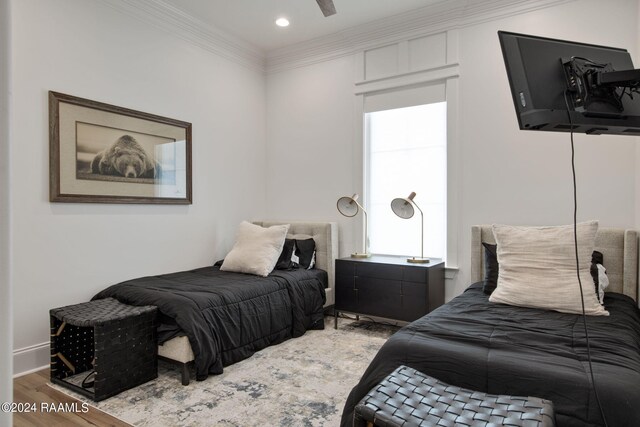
point(253, 20)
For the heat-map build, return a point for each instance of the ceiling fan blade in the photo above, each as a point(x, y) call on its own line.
point(327, 7)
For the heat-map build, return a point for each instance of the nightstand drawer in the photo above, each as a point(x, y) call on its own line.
point(346, 298)
point(379, 288)
point(379, 297)
point(395, 272)
point(346, 293)
point(345, 268)
point(417, 275)
point(416, 290)
point(379, 271)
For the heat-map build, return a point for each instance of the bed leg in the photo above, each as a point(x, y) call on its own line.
point(335, 319)
point(185, 374)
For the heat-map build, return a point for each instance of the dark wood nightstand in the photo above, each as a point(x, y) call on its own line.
point(388, 286)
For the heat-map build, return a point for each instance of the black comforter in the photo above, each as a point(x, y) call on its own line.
point(229, 316)
point(501, 349)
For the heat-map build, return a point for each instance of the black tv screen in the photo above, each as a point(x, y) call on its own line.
point(559, 85)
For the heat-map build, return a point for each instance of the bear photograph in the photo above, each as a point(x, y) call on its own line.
point(103, 153)
point(119, 155)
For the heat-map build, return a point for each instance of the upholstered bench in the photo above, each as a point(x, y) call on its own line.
point(178, 351)
point(410, 398)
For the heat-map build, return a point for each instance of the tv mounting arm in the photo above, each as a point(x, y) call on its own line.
point(626, 78)
point(589, 82)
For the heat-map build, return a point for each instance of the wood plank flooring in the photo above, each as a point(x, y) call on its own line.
point(33, 388)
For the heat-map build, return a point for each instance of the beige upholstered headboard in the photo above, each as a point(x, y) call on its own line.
point(325, 234)
point(619, 248)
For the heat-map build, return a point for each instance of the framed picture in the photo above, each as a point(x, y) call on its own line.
point(100, 153)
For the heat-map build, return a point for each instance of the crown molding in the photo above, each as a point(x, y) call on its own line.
point(435, 18)
point(170, 19)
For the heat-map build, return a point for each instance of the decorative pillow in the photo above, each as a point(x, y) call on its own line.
point(595, 257)
point(490, 268)
point(285, 261)
point(256, 250)
point(306, 253)
point(538, 267)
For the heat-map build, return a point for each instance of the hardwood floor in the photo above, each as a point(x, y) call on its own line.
point(32, 389)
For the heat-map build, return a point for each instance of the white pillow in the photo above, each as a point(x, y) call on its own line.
point(538, 268)
point(256, 250)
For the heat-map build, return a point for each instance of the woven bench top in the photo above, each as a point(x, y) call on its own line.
point(98, 312)
point(410, 398)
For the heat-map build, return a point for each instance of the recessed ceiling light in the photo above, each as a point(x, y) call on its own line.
point(282, 22)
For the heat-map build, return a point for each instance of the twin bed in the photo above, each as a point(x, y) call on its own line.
point(502, 349)
point(214, 318)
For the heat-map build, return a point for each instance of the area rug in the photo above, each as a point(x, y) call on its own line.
point(301, 382)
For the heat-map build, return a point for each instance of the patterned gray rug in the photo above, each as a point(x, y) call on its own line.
point(301, 382)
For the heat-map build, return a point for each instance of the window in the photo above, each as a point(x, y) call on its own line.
point(405, 151)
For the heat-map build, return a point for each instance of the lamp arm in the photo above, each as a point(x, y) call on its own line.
point(366, 226)
point(366, 232)
point(421, 229)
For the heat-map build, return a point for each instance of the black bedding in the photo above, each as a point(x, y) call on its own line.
point(229, 316)
point(501, 349)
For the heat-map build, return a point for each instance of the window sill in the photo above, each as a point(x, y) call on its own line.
point(450, 272)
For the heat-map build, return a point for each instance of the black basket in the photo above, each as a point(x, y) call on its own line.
point(117, 342)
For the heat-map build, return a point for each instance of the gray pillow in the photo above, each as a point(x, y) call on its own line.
point(538, 268)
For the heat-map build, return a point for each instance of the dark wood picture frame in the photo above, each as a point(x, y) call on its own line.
point(99, 153)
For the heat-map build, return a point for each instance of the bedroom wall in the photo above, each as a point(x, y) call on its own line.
point(310, 126)
point(6, 356)
point(65, 253)
point(505, 175)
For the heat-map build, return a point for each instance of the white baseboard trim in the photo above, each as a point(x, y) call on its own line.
point(21, 374)
point(30, 359)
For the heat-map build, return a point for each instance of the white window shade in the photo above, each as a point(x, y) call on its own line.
point(407, 97)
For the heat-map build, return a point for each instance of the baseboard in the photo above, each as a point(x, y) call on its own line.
point(31, 359)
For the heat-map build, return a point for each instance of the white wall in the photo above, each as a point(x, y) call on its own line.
point(310, 131)
point(65, 253)
point(506, 175)
point(6, 356)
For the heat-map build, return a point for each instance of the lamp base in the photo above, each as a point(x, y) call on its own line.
point(357, 255)
point(417, 260)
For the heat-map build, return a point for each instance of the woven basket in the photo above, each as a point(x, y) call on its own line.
point(115, 340)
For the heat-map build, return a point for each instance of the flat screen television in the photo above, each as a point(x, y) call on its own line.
point(559, 85)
